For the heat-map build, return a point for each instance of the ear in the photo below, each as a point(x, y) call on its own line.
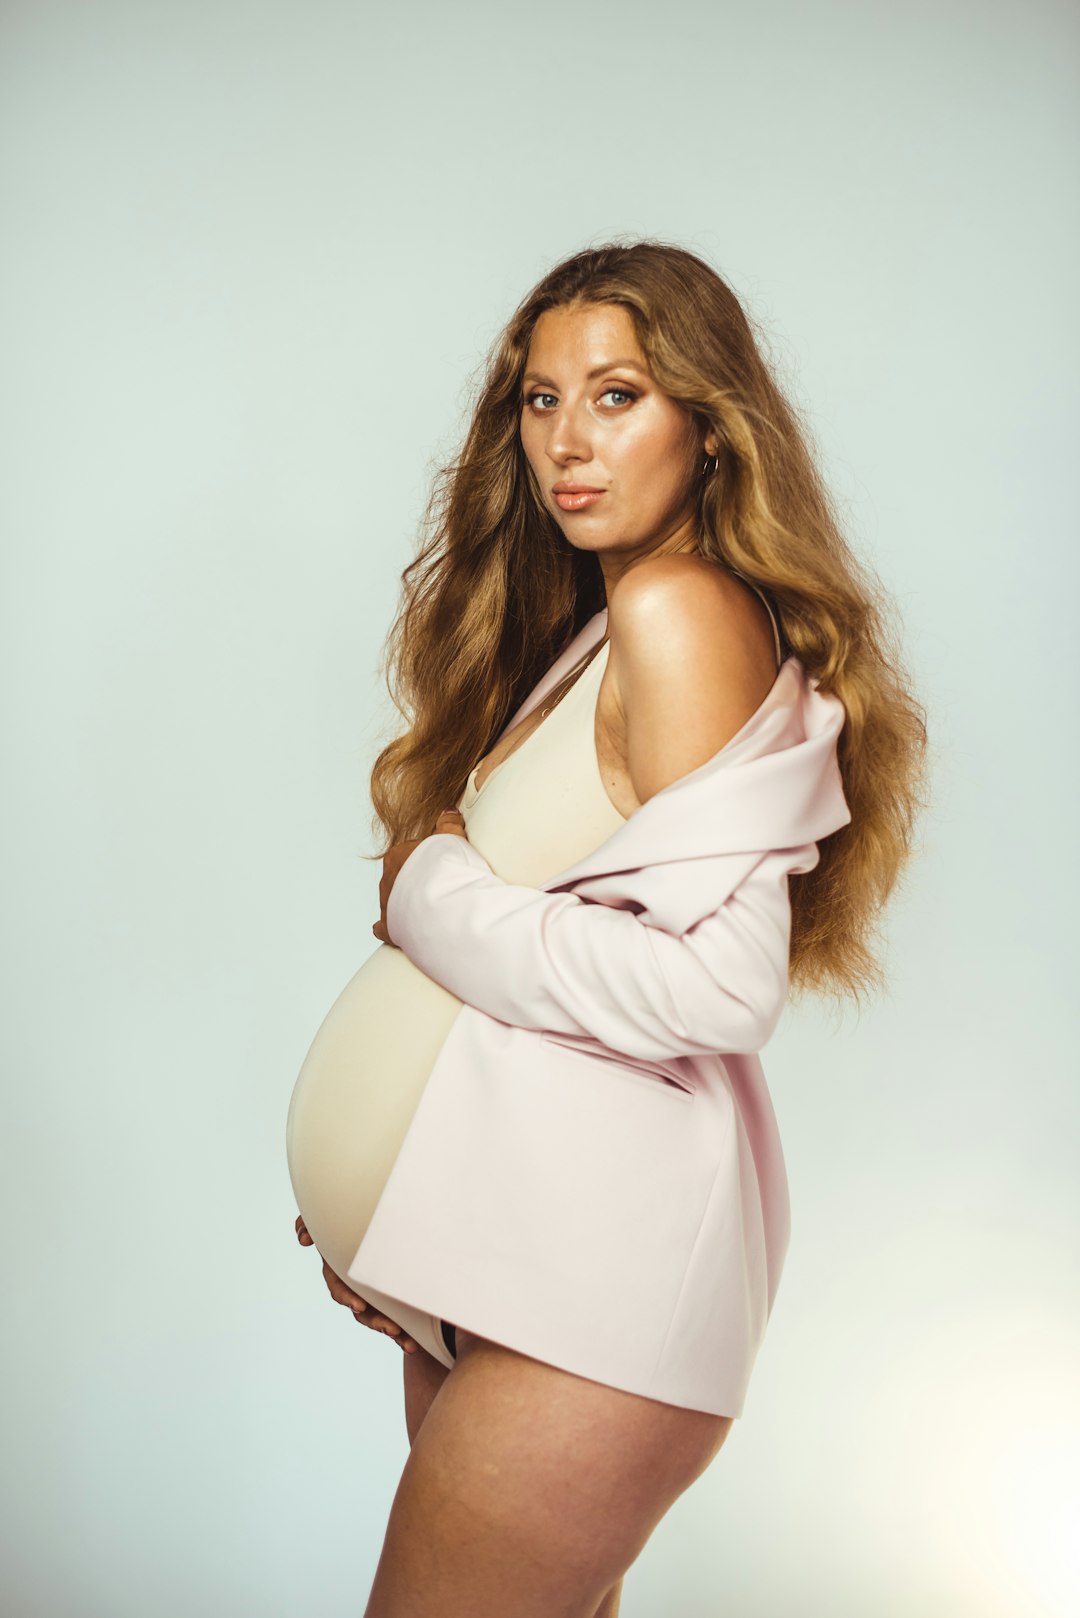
point(712, 443)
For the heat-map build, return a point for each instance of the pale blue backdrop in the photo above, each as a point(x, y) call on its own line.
point(253, 254)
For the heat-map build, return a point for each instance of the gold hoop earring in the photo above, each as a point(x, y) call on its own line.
point(710, 470)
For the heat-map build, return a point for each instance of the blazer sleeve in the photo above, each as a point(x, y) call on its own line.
point(569, 964)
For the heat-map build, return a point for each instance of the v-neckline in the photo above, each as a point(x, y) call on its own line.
point(472, 790)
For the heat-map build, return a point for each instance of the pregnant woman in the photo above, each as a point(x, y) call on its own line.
point(662, 763)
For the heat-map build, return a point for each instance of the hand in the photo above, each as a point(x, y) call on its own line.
point(451, 820)
point(352, 1300)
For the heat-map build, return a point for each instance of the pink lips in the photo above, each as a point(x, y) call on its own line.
point(576, 499)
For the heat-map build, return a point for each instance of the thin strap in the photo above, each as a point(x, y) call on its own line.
point(772, 617)
point(775, 630)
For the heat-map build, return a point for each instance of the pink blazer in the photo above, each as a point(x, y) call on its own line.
point(594, 1175)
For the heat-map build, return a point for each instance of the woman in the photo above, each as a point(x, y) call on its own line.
point(632, 539)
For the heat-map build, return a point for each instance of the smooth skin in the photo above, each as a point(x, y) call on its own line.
point(528, 1492)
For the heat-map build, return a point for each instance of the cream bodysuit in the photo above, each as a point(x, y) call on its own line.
point(537, 812)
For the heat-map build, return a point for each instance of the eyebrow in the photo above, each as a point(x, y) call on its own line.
point(597, 370)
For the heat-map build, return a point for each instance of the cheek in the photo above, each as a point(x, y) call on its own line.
point(532, 443)
point(652, 454)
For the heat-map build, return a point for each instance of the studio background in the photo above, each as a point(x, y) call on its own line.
point(254, 255)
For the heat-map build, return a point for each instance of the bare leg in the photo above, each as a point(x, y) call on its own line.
point(529, 1492)
point(424, 1376)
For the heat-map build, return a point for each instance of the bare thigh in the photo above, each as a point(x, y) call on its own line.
point(423, 1375)
point(528, 1492)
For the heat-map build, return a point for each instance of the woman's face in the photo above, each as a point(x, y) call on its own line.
point(592, 415)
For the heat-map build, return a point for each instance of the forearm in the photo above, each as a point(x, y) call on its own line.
point(561, 962)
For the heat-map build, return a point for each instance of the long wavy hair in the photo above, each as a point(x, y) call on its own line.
point(496, 592)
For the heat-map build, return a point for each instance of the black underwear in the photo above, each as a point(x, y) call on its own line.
point(449, 1337)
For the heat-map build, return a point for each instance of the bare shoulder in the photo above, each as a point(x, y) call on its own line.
point(692, 659)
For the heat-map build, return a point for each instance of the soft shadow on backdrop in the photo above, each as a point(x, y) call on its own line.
point(254, 255)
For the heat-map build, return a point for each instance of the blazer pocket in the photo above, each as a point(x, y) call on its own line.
point(636, 1069)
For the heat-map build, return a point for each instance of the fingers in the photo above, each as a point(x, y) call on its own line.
point(387, 1328)
point(343, 1294)
point(448, 820)
point(340, 1290)
point(362, 1311)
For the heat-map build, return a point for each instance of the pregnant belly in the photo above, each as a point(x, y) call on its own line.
point(356, 1095)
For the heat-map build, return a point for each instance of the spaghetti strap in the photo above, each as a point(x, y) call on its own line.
point(772, 618)
point(775, 630)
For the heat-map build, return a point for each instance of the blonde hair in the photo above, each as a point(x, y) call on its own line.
point(496, 592)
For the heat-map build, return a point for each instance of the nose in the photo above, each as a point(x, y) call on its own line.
point(568, 438)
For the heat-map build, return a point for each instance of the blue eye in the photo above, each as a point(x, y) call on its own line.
point(531, 398)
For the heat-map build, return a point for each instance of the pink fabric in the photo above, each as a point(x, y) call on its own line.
point(594, 1175)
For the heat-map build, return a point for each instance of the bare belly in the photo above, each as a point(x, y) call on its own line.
point(356, 1095)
